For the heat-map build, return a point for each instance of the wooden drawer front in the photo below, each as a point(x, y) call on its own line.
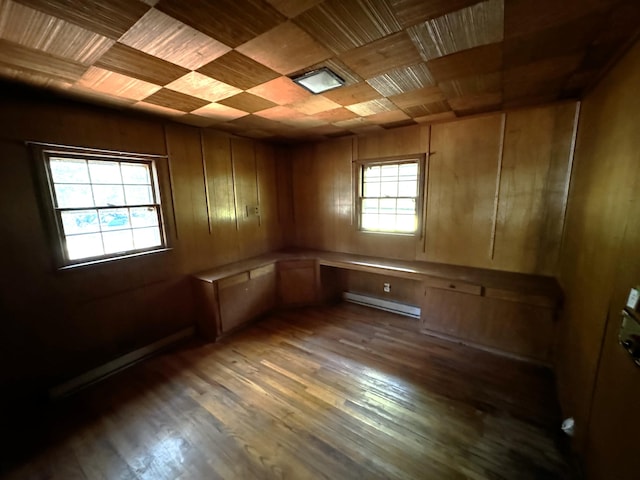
point(454, 286)
point(261, 271)
point(234, 280)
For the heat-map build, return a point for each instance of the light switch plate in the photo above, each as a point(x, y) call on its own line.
point(633, 299)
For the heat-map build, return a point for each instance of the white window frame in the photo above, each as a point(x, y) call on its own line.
point(361, 164)
point(52, 213)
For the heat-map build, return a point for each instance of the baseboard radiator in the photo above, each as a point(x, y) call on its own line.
point(114, 366)
point(380, 304)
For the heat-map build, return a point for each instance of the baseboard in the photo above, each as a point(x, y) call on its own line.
point(103, 371)
point(379, 303)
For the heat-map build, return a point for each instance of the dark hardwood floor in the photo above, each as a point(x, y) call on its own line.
point(336, 392)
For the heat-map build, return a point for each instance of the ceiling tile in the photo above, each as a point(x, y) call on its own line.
point(255, 122)
point(360, 92)
point(279, 113)
point(399, 124)
point(49, 34)
point(32, 77)
point(305, 121)
point(352, 123)
point(196, 120)
point(280, 90)
point(314, 104)
point(152, 108)
point(201, 86)
point(388, 117)
point(176, 100)
point(100, 98)
point(325, 130)
point(247, 102)
point(475, 61)
point(285, 49)
point(151, 3)
point(436, 117)
point(36, 62)
point(402, 80)
point(418, 97)
point(411, 12)
point(372, 107)
point(336, 115)
point(112, 83)
point(111, 19)
point(169, 39)
point(427, 109)
point(235, 69)
point(385, 54)
point(219, 112)
point(488, 83)
point(231, 22)
point(293, 8)
point(342, 26)
point(470, 104)
point(134, 63)
point(480, 24)
point(542, 70)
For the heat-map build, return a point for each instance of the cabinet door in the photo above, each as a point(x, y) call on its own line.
point(297, 284)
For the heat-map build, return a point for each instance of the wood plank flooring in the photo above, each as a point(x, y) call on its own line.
point(336, 392)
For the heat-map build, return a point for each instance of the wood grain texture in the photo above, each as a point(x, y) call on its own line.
point(402, 80)
point(247, 102)
point(111, 19)
point(198, 85)
point(364, 109)
point(342, 26)
point(297, 284)
point(475, 61)
point(281, 91)
point(176, 100)
point(134, 63)
point(165, 37)
point(238, 70)
point(230, 22)
point(112, 83)
point(411, 12)
point(403, 141)
point(340, 392)
point(459, 213)
point(348, 95)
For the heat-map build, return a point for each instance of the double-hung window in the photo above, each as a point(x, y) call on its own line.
point(389, 195)
point(104, 206)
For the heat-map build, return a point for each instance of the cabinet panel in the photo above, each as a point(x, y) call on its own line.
point(297, 282)
point(463, 171)
point(243, 299)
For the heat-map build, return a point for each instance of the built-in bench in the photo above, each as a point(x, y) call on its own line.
point(509, 313)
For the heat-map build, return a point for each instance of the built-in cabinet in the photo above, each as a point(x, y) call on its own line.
point(297, 282)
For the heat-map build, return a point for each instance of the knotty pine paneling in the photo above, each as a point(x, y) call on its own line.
point(599, 263)
point(463, 171)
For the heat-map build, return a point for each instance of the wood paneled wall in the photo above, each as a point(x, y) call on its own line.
point(495, 197)
point(598, 383)
point(56, 324)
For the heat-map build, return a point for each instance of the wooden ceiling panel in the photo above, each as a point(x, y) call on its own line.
point(253, 122)
point(112, 83)
point(402, 80)
point(176, 100)
point(231, 22)
point(342, 26)
point(436, 117)
point(134, 63)
point(219, 112)
point(427, 109)
point(201, 86)
point(418, 97)
point(247, 102)
point(293, 8)
point(169, 39)
point(314, 104)
point(352, 123)
point(197, 120)
point(305, 121)
point(476, 84)
point(109, 18)
point(32, 77)
point(40, 31)
point(391, 117)
point(475, 61)
point(336, 115)
point(279, 113)
point(471, 104)
point(383, 55)
point(281, 91)
point(159, 109)
point(38, 63)
point(238, 70)
point(480, 24)
point(360, 92)
point(285, 49)
point(411, 12)
point(372, 107)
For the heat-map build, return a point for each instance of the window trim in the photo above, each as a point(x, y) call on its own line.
point(360, 164)
point(160, 181)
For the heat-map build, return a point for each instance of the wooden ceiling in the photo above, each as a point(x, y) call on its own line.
point(226, 63)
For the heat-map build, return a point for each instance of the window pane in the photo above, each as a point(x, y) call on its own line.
point(73, 196)
point(387, 222)
point(389, 172)
point(80, 221)
point(84, 246)
point(68, 170)
point(371, 189)
point(389, 189)
point(118, 241)
point(406, 223)
point(146, 237)
point(104, 171)
point(114, 219)
point(409, 170)
point(387, 205)
point(406, 206)
point(143, 217)
point(138, 194)
point(370, 221)
point(408, 189)
point(137, 173)
point(108, 195)
point(370, 205)
point(371, 173)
